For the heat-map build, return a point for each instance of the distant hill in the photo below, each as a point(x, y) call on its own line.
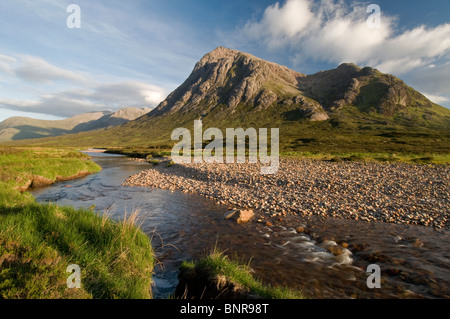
point(348, 108)
point(19, 128)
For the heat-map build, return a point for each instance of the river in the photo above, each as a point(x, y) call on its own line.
point(414, 260)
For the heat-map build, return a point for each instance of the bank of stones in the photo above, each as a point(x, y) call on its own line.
point(386, 192)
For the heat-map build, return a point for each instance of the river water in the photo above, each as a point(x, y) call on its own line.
point(414, 260)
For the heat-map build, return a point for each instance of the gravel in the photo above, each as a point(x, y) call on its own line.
point(385, 192)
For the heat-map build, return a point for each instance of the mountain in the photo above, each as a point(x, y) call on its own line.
point(348, 108)
point(230, 78)
point(18, 128)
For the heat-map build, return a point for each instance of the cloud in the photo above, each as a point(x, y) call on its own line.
point(280, 24)
point(6, 63)
point(433, 79)
point(118, 94)
point(62, 92)
point(53, 105)
point(335, 32)
point(35, 69)
point(107, 96)
point(436, 99)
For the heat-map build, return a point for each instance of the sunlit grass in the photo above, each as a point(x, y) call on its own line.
point(217, 263)
point(38, 241)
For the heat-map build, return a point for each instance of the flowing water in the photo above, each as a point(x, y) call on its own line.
point(414, 260)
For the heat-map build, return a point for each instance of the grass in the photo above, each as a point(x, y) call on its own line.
point(38, 241)
point(351, 130)
point(333, 156)
point(350, 133)
point(217, 264)
point(372, 157)
point(19, 166)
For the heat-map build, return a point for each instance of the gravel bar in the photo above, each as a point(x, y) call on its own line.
point(385, 192)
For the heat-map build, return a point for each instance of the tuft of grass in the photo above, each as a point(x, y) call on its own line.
point(153, 162)
point(217, 264)
point(170, 163)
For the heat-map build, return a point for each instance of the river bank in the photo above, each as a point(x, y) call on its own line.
point(400, 193)
point(39, 241)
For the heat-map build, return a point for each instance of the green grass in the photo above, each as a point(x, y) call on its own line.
point(371, 157)
point(324, 155)
point(352, 129)
point(239, 273)
point(38, 241)
point(19, 166)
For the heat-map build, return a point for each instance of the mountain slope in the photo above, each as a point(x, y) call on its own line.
point(228, 88)
point(346, 108)
point(232, 78)
point(18, 128)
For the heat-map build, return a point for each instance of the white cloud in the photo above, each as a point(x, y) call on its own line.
point(412, 49)
point(131, 93)
point(436, 98)
point(107, 96)
point(35, 69)
point(53, 105)
point(18, 103)
point(62, 92)
point(334, 32)
point(6, 63)
point(120, 94)
point(279, 24)
point(435, 80)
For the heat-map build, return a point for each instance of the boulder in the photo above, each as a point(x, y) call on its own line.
point(240, 216)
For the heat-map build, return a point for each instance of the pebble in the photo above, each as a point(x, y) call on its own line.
point(370, 192)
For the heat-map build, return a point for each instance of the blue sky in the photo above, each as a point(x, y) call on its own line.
point(134, 53)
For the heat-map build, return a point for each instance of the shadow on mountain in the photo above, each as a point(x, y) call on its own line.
point(32, 132)
point(103, 122)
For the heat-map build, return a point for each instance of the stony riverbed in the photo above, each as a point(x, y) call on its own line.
point(385, 192)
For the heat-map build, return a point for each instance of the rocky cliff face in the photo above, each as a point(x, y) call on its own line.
point(366, 88)
point(232, 78)
point(229, 78)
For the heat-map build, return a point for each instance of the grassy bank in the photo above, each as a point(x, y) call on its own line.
point(218, 276)
point(412, 158)
point(27, 167)
point(38, 241)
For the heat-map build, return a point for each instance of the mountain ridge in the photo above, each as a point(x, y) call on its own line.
point(17, 128)
point(348, 107)
point(230, 78)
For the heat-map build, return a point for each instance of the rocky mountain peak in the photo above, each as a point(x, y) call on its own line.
point(229, 78)
point(226, 80)
point(218, 54)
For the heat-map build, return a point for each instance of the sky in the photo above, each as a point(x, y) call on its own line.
point(134, 53)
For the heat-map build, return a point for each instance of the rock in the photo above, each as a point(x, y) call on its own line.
point(300, 229)
point(335, 250)
point(418, 243)
point(240, 216)
point(230, 214)
point(384, 197)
